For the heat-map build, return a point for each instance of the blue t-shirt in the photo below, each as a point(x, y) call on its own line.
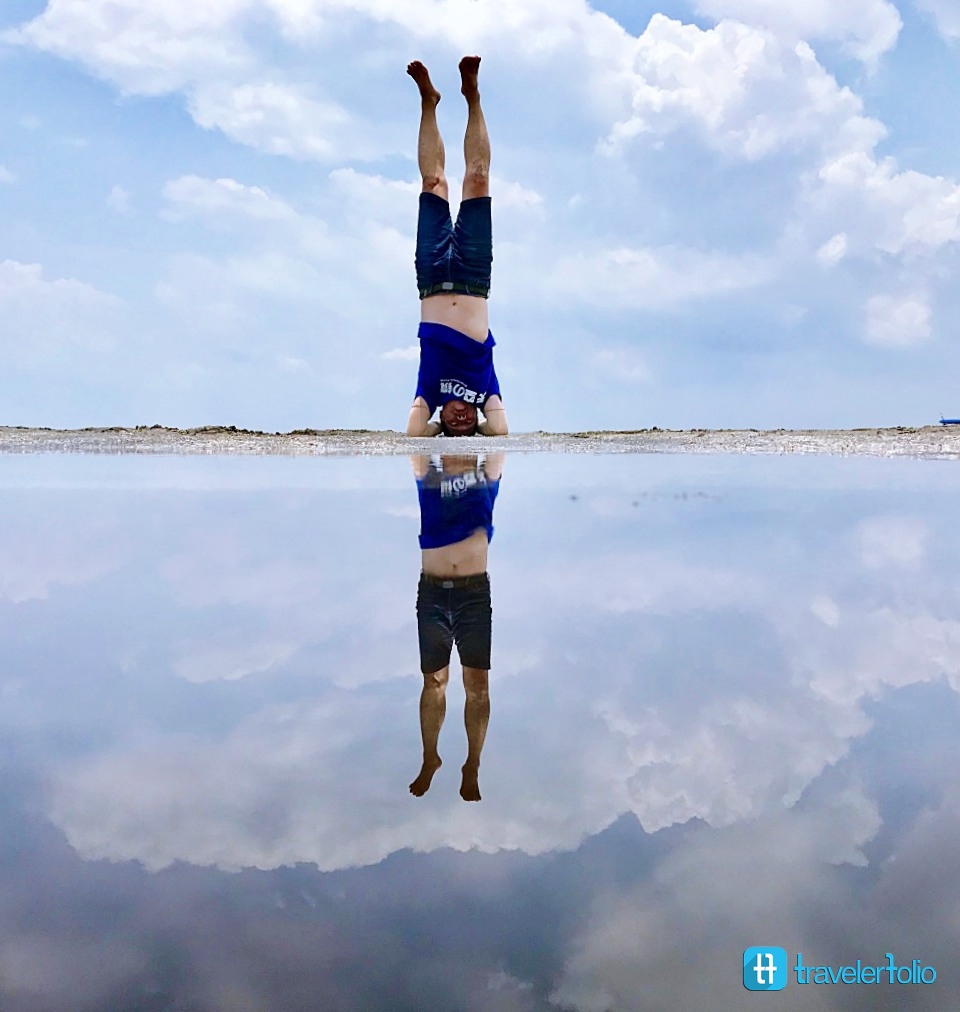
point(454, 367)
point(453, 506)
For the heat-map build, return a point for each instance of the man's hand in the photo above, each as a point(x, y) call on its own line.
point(419, 424)
point(495, 418)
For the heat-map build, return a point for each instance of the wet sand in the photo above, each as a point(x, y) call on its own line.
point(931, 441)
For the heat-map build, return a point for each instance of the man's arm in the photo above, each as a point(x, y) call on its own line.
point(495, 418)
point(420, 463)
point(493, 465)
point(419, 424)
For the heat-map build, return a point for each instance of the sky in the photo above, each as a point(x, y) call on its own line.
point(707, 213)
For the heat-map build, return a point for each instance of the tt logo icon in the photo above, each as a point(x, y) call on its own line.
point(764, 968)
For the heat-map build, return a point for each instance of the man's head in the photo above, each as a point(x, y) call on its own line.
point(457, 418)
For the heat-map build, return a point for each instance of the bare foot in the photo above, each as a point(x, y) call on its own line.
point(469, 68)
point(421, 785)
point(470, 785)
point(421, 75)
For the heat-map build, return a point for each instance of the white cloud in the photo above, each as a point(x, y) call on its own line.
point(217, 197)
point(146, 50)
point(279, 119)
point(368, 197)
point(892, 541)
point(239, 294)
point(6, 176)
point(946, 16)
point(897, 321)
point(882, 208)
point(293, 364)
point(652, 278)
point(747, 93)
point(833, 250)
point(868, 28)
point(118, 199)
point(232, 660)
point(623, 364)
point(42, 318)
point(826, 609)
point(625, 956)
point(30, 568)
point(411, 353)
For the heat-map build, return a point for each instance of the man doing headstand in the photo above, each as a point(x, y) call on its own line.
point(453, 264)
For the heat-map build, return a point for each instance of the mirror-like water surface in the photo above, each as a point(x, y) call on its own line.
point(723, 713)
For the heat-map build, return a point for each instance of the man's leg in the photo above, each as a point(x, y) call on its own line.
point(476, 142)
point(476, 716)
point(430, 154)
point(433, 708)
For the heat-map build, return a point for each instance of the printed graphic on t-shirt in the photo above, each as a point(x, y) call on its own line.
point(456, 485)
point(461, 392)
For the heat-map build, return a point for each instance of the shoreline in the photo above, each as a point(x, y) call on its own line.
point(930, 441)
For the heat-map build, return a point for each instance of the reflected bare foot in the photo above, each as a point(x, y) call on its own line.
point(469, 68)
point(421, 75)
point(421, 785)
point(470, 785)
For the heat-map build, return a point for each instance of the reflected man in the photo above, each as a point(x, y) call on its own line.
point(453, 264)
point(457, 494)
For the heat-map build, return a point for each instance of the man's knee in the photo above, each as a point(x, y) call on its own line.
point(476, 183)
point(475, 681)
point(435, 184)
point(436, 679)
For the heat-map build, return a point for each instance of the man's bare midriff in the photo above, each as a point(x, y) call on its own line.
point(466, 313)
point(465, 558)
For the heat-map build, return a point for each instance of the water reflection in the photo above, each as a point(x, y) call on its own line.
point(457, 494)
point(733, 691)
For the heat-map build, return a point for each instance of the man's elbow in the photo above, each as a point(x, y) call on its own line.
point(493, 427)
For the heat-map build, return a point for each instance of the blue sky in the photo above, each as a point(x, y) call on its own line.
point(718, 213)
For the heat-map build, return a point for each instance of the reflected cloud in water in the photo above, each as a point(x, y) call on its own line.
point(725, 711)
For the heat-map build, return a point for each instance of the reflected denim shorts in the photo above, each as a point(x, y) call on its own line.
point(459, 613)
point(454, 257)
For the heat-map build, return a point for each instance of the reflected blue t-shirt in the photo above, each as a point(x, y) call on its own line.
point(454, 367)
point(453, 506)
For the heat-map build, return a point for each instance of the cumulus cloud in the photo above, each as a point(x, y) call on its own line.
point(898, 321)
point(750, 879)
point(280, 119)
point(210, 52)
point(118, 199)
point(628, 278)
point(867, 28)
point(747, 93)
point(31, 567)
point(143, 50)
point(222, 197)
point(411, 353)
point(833, 250)
point(42, 318)
point(626, 365)
point(894, 211)
point(230, 660)
point(892, 541)
point(946, 16)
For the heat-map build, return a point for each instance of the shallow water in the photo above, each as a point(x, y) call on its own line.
point(724, 714)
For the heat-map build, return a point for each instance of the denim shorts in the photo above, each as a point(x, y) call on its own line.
point(454, 611)
point(457, 256)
